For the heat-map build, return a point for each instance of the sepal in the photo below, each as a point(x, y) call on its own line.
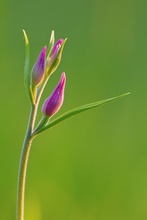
point(51, 43)
point(26, 68)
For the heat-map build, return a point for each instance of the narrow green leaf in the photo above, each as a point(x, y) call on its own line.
point(26, 66)
point(76, 111)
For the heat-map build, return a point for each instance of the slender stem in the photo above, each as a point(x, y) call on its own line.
point(23, 165)
point(25, 155)
point(41, 89)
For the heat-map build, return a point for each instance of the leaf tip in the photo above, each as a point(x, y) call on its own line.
point(65, 39)
point(125, 94)
point(52, 35)
point(25, 36)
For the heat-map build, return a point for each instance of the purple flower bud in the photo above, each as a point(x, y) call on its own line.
point(54, 52)
point(39, 68)
point(56, 48)
point(54, 102)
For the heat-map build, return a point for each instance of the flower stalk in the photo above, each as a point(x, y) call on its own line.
point(35, 84)
point(23, 165)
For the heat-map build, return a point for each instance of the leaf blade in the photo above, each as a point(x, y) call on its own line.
point(78, 110)
point(26, 66)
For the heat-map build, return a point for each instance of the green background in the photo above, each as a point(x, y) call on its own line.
point(92, 166)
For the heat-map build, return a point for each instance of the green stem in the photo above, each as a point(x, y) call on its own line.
point(42, 123)
point(23, 165)
point(25, 155)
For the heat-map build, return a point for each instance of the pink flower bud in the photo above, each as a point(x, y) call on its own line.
point(54, 52)
point(39, 68)
point(56, 48)
point(54, 102)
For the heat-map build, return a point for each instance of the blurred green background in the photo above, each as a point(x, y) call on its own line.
point(92, 166)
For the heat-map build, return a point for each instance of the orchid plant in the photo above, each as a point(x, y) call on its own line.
point(35, 82)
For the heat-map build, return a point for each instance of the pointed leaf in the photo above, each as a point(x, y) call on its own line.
point(76, 111)
point(51, 43)
point(26, 66)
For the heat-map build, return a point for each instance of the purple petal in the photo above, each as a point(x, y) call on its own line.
point(57, 47)
point(39, 68)
point(54, 102)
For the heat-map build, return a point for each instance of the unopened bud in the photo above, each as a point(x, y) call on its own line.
point(54, 58)
point(54, 102)
point(39, 68)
